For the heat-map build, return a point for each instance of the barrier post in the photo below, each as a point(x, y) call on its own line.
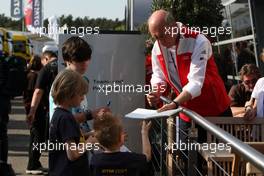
point(192, 154)
point(171, 139)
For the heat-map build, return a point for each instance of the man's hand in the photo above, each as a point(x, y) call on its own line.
point(167, 107)
point(249, 103)
point(31, 116)
point(90, 137)
point(153, 98)
point(250, 114)
point(82, 116)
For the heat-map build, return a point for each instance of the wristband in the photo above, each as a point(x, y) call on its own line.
point(88, 114)
point(176, 103)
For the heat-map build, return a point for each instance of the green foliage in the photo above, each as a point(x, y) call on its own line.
point(103, 23)
point(8, 23)
point(199, 12)
point(193, 12)
point(161, 4)
point(143, 28)
point(121, 27)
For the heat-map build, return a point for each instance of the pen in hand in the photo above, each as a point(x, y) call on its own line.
point(108, 103)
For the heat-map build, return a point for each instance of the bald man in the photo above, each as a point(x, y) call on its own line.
point(183, 59)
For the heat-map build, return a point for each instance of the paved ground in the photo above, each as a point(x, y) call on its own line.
point(18, 134)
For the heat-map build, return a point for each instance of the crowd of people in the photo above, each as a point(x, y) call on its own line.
point(57, 107)
point(57, 111)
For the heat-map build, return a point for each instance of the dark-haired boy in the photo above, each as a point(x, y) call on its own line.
point(76, 53)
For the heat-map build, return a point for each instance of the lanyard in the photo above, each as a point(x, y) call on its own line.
point(176, 84)
point(173, 61)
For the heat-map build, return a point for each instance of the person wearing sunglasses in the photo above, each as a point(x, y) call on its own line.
point(241, 93)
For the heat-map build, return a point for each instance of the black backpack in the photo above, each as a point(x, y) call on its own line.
point(14, 74)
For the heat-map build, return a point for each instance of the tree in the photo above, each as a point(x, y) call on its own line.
point(8, 23)
point(193, 12)
point(161, 4)
point(198, 13)
point(102, 23)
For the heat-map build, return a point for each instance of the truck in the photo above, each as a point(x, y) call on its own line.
point(22, 46)
point(6, 47)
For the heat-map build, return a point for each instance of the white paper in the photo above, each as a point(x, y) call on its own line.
point(141, 113)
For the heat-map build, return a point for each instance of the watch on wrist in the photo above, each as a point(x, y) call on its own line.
point(176, 103)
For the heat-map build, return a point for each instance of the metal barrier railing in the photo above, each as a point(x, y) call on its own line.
point(165, 134)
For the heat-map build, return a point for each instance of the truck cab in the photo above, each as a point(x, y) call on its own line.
point(6, 47)
point(21, 46)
